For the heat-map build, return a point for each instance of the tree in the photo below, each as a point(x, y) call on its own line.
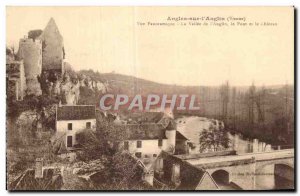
point(224, 93)
point(250, 104)
point(121, 170)
point(234, 106)
point(213, 139)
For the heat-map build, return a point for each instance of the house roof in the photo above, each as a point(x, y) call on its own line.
point(191, 181)
point(196, 178)
point(78, 112)
point(179, 136)
point(27, 181)
point(150, 117)
point(147, 131)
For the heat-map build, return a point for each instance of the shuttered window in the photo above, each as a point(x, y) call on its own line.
point(139, 144)
point(126, 145)
point(88, 125)
point(160, 142)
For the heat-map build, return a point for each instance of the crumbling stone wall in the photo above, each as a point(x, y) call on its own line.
point(16, 81)
point(31, 53)
point(53, 49)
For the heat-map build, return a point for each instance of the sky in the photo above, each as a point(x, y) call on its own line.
point(109, 39)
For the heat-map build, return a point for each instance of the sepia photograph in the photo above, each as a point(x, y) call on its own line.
point(150, 98)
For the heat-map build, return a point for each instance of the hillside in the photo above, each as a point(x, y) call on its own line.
point(264, 112)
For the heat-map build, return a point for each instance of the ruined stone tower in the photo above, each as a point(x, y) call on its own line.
point(52, 48)
point(43, 54)
point(30, 50)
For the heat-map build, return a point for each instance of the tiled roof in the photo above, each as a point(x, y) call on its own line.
point(78, 112)
point(148, 131)
point(27, 181)
point(145, 131)
point(194, 179)
point(151, 117)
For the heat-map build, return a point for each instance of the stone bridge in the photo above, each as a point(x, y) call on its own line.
point(264, 170)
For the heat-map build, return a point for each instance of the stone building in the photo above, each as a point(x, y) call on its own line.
point(15, 79)
point(146, 141)
point(53, 48)
point(49, 178)
point(181, 175)
point(72, 119)
point(42, 53)
point(30, 51)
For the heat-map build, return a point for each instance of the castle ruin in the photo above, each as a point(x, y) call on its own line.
point(46, 73)
point(30, 51)
point(43, 54)
point(15, 77)
point(53, 48)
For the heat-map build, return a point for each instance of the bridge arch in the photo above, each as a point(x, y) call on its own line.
point(275, 175)
point(221, 176)
point(262, 164)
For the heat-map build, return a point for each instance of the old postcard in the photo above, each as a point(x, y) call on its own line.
point(150, 98)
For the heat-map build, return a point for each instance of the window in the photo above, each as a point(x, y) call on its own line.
point(154, 155)
point(160, 142)
point(139, 144)
point(88, 125)
point(126, 145)
point(138, 154)
point(69, 141)
point(69, 126)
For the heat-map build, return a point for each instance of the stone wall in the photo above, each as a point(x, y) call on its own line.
point(15, 79)
point(53, 49)
point(243, 175)
point(31, 53)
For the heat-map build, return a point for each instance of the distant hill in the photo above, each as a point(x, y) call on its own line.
point(260, 112)
point(132, 85)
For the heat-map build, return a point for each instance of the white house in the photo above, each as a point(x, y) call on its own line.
point(70, 119)
point(149, 140)
point(146, 141)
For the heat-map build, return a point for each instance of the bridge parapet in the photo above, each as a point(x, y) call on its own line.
point(278, 154)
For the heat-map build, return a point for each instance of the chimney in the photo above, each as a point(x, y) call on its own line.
point(38, 168)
